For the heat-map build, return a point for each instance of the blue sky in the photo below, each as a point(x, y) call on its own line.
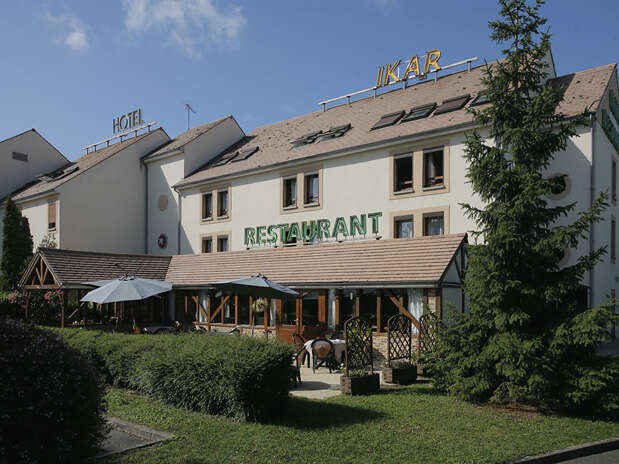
point(70, 67)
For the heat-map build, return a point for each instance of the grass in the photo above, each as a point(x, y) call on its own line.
point(413, 425)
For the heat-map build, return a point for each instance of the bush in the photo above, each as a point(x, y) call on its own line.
point(51, 398)
point(243, 377)
point(11, 305)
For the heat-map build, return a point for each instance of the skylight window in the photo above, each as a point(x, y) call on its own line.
point(59, 174)
point(306, 139)
point(387, 120)
point(419, 112)
point(452, 104)
point(244, 153)
point(334, 132)
point(480, 99)
point(225, 158)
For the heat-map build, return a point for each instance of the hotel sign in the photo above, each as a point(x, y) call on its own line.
point(314, 230)
point(128, 121)
point(390, 73)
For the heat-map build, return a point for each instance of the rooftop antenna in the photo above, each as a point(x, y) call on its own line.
point(189, 108)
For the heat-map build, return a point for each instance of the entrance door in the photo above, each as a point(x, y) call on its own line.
point(288, 320)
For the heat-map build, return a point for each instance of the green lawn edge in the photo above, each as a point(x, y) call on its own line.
point(413, 425)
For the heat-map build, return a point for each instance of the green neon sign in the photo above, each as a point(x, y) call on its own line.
point(314, 230)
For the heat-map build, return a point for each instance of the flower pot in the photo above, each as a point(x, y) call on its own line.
point(400, 375)
point(360, 385)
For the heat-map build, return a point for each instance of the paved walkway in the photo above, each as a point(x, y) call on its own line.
point(321, 384)
point(126, 436)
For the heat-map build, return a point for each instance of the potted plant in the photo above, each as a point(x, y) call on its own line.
point(359, 382)
point(401, 372)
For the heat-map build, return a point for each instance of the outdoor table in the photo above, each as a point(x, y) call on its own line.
point(339, 345)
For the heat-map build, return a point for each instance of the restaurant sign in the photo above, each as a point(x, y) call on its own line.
point(314, 230)
point(390, 73)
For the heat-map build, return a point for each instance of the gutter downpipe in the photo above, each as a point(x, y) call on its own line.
point(146, 206)
point(591, 195)
point(180, 213)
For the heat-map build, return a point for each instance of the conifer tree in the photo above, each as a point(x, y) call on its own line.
point(16, 246)
point(528, 337)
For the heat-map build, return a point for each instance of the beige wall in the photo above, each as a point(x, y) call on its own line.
point(162, 175)
point(42, 158)
point(103, 209)
point(355, 184)
point(36, 212)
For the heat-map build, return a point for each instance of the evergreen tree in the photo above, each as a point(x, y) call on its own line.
point(528, 337)
point(16, 246)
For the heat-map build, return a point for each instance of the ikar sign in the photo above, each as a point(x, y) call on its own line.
point(390, 73)
point(314, 230)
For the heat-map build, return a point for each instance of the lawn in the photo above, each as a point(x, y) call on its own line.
point(412, 425)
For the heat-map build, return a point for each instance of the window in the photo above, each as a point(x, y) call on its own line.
point(419, 112)
point(403, 173)
point(433, 225)
point(222, 203)
point(244, 154)
point(388, 120)
point(310, 308)
point(312, 195)
point(452, 104)
point(223, 159)
point(290, 192)
point(403, 227)
point(51, 216)
point(613, 240)
point(207, 244)
point(306, 139)
point(433, 168)
point(207, 206)
point(613, 185)
point(20, 156)
point(222, 243)
point(480, 99)
point(334, 132)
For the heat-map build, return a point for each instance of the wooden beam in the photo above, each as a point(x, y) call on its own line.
point(236, 309)
point(224, 300)
point(379, 318)
point(357, 304)
point(399, 304)
point(338, 296)
point(251, 311)
point(63, 303)
point(200, 309)
point(209, 302)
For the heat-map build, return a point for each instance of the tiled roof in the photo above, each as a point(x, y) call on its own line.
point(75, 267)
point(419, 260)
point(83, 164)
point(187, 136)
point(584, 90)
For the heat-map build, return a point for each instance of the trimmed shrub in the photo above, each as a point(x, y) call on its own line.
point(242, 377)
point(51, 398)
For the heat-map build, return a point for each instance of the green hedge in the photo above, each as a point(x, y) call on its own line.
point(242, 377)
point(51, 398)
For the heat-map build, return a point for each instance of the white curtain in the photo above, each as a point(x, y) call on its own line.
point(203, 299)
point(415, 304)
point(331, 311)
point(272, 312)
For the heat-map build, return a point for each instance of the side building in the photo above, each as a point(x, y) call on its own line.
point(97, 203)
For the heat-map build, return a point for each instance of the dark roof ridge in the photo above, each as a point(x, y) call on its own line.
point(105, 253)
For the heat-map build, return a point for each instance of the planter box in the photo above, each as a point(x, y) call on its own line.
point(400, 375)
point(363, 385)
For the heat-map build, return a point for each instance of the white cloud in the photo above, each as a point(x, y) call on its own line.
point(71, 29)
point(190, 24)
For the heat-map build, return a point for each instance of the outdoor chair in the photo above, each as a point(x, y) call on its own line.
point(299, 343)
point(323, 354)
point(296, 371)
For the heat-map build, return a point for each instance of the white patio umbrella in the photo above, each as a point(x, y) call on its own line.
point(126, 288)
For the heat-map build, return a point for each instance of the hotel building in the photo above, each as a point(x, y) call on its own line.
point(356, 205)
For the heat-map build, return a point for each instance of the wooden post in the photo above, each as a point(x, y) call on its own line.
point(337, 309)
point(27, 304)
point(236, 309)
point(63, 303)
point(209, 302)
point(379, 322)
point(267, 312)
point(357, 304)
point(251, 312)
